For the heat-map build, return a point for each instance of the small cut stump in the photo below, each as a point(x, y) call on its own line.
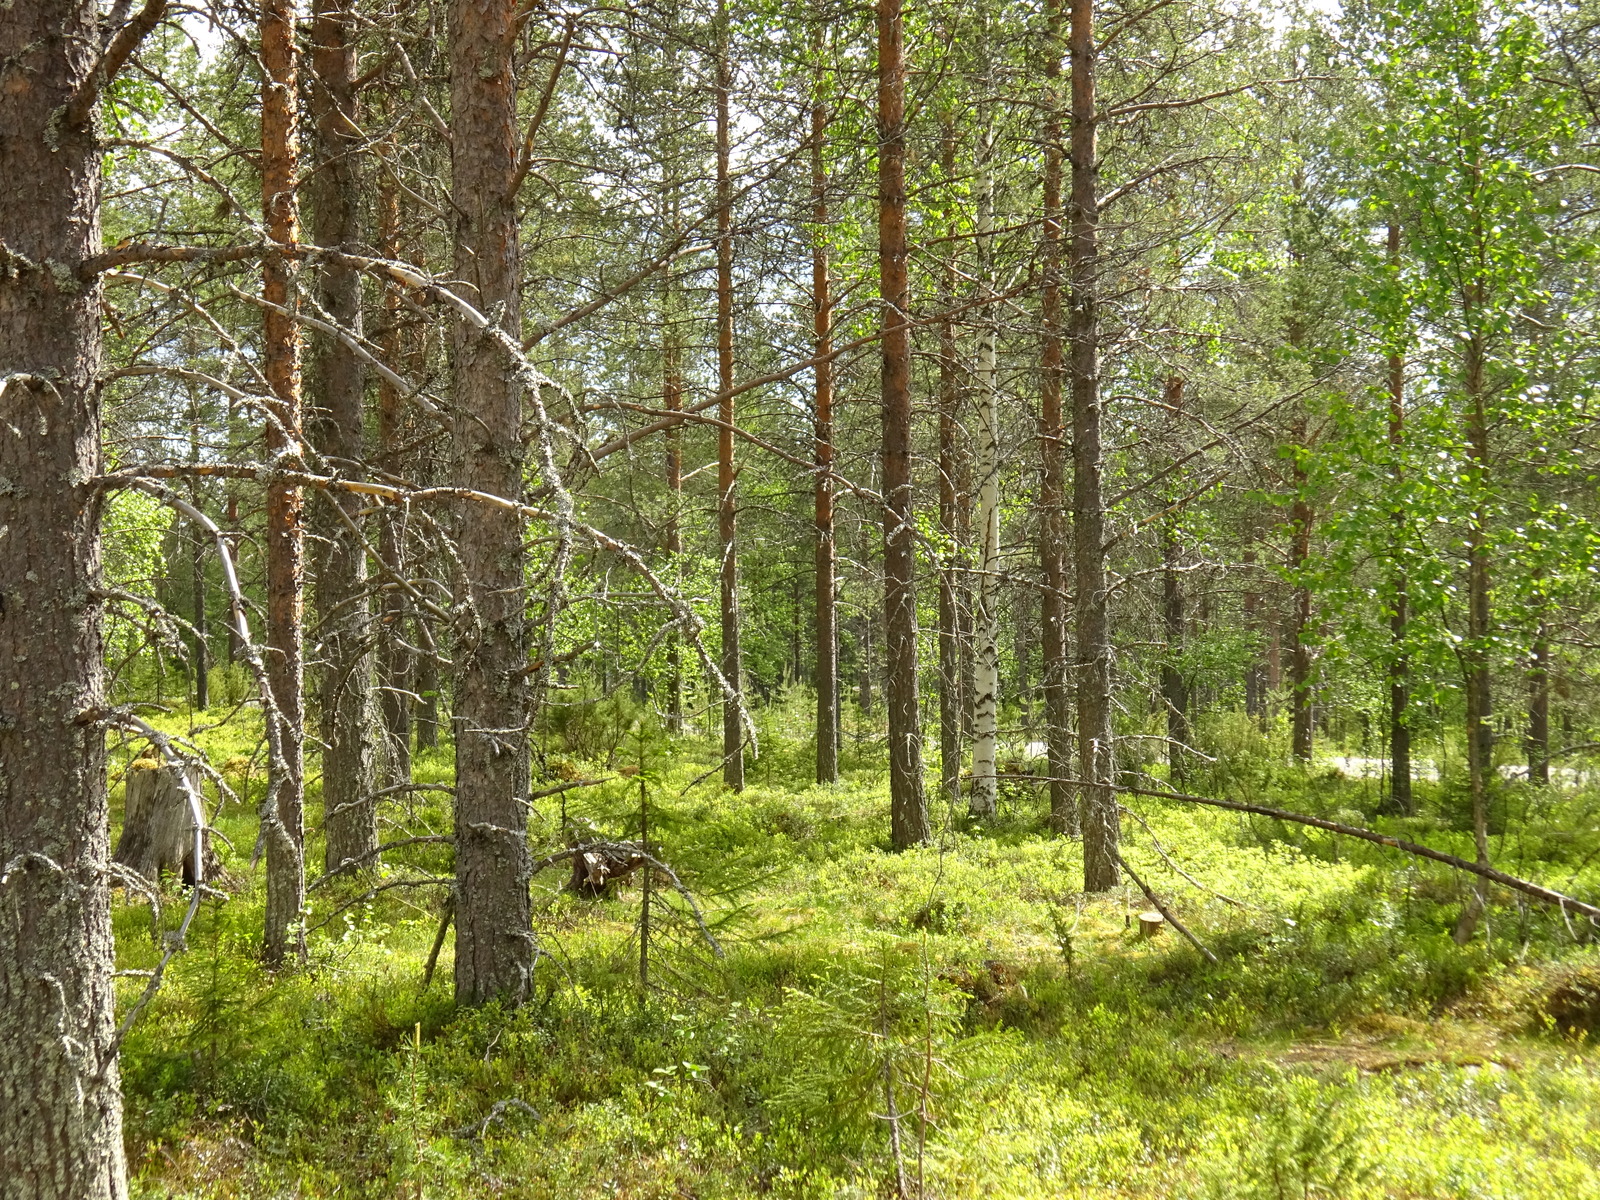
point(1150, 924)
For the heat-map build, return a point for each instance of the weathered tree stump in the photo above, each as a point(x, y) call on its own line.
point(596, 867)
point(1150, 924)
point(158, 823)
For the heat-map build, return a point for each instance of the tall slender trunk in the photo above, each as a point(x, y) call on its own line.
point(672, 534)
point(197, 567)
point(1399, 663)
point(1301, 696)
point(429, 686)
point(282, 811)
point(235, 645)
point(1174, 686)
point(1053, 549)
point(952, 570)
point(1096, 752)
point(672, 452)
point(394, 653)
point(727, 475)
point(432, 684)
point(1274, 665)
point(1475, 657)
point(986, 620)
point(202, 650)
point(1022, 638)
point(1539, 706)
point(672, 387)
point(794, 627)
point(908, 804)
point(1254, 670)
point(60, 1104)
point(494, 941)
point(869, 622)
point(350, 821)
point(827, 676)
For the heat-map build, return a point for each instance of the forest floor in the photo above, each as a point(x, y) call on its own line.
point(955, 1021)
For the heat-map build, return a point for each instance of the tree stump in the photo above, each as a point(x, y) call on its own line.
point(158, 823)
point(1150, 924)
point(599, 865)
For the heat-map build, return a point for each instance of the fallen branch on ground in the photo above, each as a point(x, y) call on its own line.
point(1528, 888)
point(1165, 912)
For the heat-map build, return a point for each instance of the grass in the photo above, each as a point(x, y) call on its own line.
point(1028, 1041)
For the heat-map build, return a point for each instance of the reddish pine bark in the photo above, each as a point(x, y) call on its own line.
point(282, 810)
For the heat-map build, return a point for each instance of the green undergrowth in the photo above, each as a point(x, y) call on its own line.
point(964, 1002)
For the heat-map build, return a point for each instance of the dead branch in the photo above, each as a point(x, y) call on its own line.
point(1528, 888)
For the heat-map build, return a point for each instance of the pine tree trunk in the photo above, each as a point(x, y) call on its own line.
point(1399, 666)
point(727, 475)
point(952, 572)
point(908, 804)
point(202, 651)
point(1053, 549)
point(429, 686)
point(282, 811)
point(494, 940)
point(672, 534)
point(201, 664)
point(395, 664)
point(1174, 686)
point(827, 639)
point(1096, 753)
point(350, 822)
point(869, 622)
point(60, 1105)
point(672, 464)
point(1022, 638)
point(986, 620)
